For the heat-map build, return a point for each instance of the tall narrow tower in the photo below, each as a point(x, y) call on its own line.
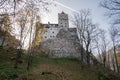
point(63, 21)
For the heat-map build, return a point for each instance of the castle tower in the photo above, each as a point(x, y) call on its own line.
point(63, 20)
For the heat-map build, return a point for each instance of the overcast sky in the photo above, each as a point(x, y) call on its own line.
point(70, 6)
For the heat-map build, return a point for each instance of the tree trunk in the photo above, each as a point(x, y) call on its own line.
point(3, 41)
point(18, 57)
point(88, 57)
point(113, 64)
point(87, 52)
point(82, 52)
point(104, 59)
point(114, 48)
point(4, 38)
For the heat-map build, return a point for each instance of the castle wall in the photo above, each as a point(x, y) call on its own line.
point(59, 40)
point(64, 45)
point(50, 33)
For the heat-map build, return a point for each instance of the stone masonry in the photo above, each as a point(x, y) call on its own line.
point(66, 44)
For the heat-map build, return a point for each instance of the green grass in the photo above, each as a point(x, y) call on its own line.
point(60, 69)
point(7, 70)
point(44, 68)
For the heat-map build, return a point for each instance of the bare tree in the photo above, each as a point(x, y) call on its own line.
point(113, 8)
point(79, 20)
point(32, 12)
point(87, 31)
point(88, 37)
point(97, 48)
point(103, 46)
point(14, 5)
point(22, 22)
point(114, 31)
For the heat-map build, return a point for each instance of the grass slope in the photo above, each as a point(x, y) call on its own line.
point(61, 69)
point(44, 68)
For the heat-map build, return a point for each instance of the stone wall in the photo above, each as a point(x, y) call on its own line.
point(66, 44)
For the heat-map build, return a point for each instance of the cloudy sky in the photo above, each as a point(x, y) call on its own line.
point(70, 6)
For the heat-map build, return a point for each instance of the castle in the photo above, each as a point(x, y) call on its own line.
point(59, 40)
point(53, 29)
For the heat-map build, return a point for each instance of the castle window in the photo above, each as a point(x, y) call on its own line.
point(52, 32)
point(45, 37)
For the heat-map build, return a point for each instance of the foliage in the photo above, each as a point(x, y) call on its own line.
point(38, 32)
point(7, 72)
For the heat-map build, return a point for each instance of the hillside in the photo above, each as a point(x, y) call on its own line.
point(44, 68)
point(61, 69)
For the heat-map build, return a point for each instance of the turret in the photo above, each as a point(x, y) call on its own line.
point(63, 20)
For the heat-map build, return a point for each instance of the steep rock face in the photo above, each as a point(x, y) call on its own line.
point(66, 44)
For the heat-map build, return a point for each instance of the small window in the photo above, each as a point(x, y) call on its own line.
point(45, 37)
point(52, 32)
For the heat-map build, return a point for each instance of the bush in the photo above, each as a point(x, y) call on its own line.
point(105, 76)
point(3, 76)
point(13, 75)
point(1, 47)
point(8, 76)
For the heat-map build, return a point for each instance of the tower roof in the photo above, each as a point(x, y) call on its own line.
point(63, 12)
